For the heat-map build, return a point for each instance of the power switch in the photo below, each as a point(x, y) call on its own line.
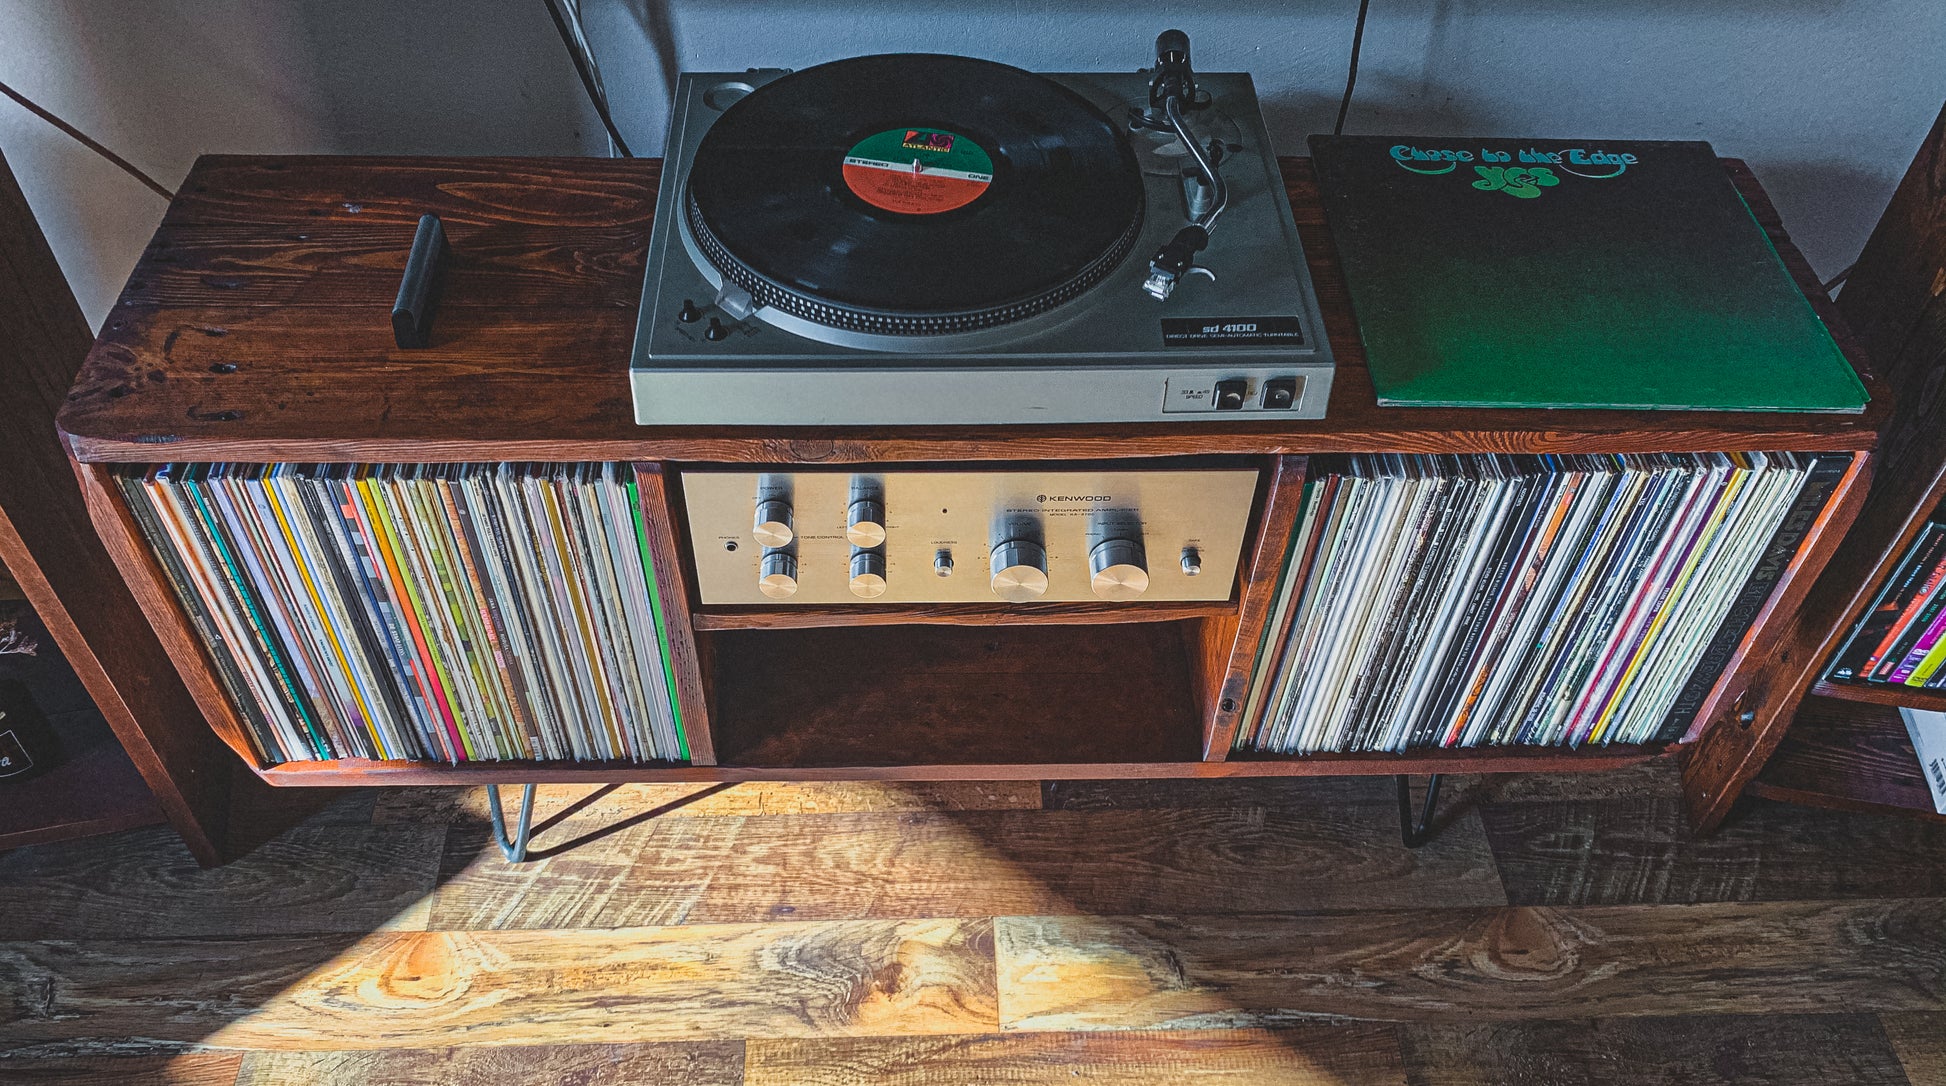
point(1230, 393)
point(1280, 393)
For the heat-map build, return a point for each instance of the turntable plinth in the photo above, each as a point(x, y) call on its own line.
point(255, 328)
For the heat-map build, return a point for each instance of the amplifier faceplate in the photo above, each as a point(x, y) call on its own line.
point(954, 520)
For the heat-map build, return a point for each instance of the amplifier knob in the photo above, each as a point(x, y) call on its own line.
point(777, 575)
point(774, 523)
point(1019, 570)
point(868, 574)
point(865, 524)
point(1120, 571)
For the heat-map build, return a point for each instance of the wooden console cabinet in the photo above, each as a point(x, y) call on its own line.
point(255, 329)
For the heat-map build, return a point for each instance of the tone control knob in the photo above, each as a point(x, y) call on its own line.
point(777, 575)
point(1019, 570)
point(1120, 571)
point(865, 524)
point(774, 523)
point(1192, 561)
point(868, 574)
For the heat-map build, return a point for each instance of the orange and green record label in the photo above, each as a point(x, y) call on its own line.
point(918, 171)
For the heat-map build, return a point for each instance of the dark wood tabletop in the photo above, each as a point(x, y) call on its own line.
point(256, 326)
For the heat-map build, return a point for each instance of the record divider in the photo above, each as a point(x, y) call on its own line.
point(128, 385)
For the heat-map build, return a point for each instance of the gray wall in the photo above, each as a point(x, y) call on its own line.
point(1828, 98)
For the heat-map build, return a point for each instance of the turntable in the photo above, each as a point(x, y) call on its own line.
point(928, 239)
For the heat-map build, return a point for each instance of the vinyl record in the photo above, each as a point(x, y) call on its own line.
point(914, 194)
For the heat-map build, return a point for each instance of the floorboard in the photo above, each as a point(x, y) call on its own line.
point(1347, 1055)
point(421, 990)
point(1197, 860)
point(1775, 1050)
point(1558, 931)
point(1920, 1041)
point(1077, 973)
point(190, 1069)
point(324, 876)
point(702, 1063)
point(1641, 851)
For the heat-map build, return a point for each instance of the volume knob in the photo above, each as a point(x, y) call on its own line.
point(773, 528)
point(777, 575)
point(865, 523)
point(868, 574)
point(1119, 569)
point(1019, 571)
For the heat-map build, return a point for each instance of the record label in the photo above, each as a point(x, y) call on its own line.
point(918, 171)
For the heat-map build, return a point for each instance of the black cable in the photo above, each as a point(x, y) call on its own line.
point(1351, 74)
point(595, 97)
point(84, 140)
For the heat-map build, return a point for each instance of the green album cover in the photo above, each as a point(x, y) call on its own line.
point(1565, 273)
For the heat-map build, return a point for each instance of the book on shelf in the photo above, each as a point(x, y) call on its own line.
point(1492, 272)
point(1471, 601)
point(452, 612)
point(1928, 732)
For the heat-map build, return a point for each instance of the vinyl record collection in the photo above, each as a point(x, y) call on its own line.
point(459, 612)
point(1901, 641)
point(1463, 601)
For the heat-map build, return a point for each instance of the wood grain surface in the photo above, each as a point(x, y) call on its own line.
point(1699, 1050)
point(1081, 973)
point(422, 990)
point(827, 867)
point(278, 265)
point(1342, 1055)
point(1920, 1041)
point(188, 1069)
point(697, 1063)
point(144, 883)
point(1849, 756)
point(1642, 852)
point(1282, 935)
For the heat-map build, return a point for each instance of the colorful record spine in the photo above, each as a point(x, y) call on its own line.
point(1524, 601)
point(448, 613)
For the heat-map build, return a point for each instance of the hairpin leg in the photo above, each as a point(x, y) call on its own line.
point(1417, 832)
point(515, 848)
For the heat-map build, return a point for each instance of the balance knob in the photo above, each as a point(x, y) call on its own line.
point(774, 523)
point(777, 575)
point(865, 524)
point(868, 575)
point(1019, 570)
point(1120, 572)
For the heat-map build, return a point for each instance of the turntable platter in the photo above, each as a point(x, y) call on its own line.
point(914, 194)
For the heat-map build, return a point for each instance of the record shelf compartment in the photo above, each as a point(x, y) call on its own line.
point(254, 330)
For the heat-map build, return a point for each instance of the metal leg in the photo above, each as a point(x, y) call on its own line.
point(1417, 832)
point(515, 849)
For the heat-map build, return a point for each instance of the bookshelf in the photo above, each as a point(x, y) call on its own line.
point(1847, 747)
point(163, 763)
point(254, 329)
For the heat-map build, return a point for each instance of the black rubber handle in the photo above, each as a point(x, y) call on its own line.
point(419, 289)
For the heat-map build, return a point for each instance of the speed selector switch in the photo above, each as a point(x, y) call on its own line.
point(865, 523)
point(777, 575)
point(1118, 569)
point(1019, 571)
point(773, 528)
point(868, 574)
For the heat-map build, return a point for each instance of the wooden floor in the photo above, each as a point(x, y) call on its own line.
point(1556, 932)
